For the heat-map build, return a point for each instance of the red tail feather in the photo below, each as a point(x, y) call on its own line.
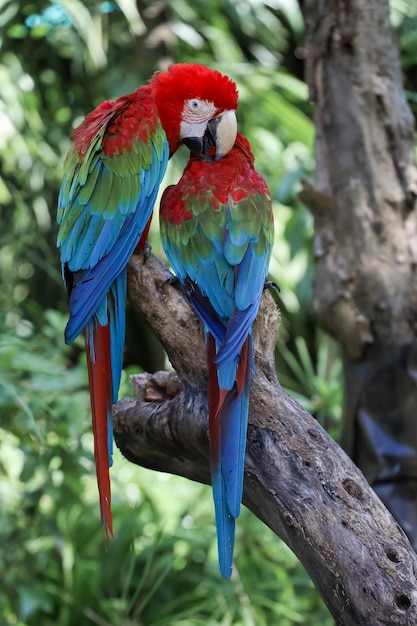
point(100, 379)
point(243, 370)
point(217, 397)
point(144, 236)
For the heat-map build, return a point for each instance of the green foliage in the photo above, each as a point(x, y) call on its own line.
point(314, 383)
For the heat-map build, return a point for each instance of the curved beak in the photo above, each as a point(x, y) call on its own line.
point(218, 138)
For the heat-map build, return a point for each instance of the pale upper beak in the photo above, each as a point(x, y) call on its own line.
point(212, 140)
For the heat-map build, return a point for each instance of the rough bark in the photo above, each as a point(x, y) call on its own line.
point(297, 479)
point(363, 202)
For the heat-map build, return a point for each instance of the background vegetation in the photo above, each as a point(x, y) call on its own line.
point(57, 61)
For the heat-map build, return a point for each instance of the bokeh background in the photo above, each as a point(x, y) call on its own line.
point(58, 60)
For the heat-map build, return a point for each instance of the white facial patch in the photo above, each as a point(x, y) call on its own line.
point(195, 115)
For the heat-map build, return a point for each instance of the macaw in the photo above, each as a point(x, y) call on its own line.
point(217, 232)
point(112, 174)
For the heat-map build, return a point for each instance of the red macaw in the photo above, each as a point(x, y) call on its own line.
point(112, 173)
point(217, 231)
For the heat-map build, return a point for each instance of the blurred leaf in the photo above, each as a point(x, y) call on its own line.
point(316, 384)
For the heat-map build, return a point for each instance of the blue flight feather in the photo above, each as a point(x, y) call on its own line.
point(225, 522)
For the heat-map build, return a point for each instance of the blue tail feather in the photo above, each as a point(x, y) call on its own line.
point(228, 410)
point(234, 422)
point(225, 524)
point(117, 321)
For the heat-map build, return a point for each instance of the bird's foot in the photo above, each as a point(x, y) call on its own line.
point(147, 249)
point(144, 249)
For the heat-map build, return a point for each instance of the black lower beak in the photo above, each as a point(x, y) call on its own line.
point(204, 147)
point(194, 144)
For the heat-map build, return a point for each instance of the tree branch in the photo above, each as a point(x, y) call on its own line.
point(297, 480)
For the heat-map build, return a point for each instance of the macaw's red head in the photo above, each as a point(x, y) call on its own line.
point(197, 106)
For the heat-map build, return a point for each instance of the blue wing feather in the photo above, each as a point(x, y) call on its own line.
point(90, 286)
point(91, 283)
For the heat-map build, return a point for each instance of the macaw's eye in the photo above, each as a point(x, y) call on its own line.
point(194, 104)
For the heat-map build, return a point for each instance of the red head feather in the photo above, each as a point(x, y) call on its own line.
point(185, 81)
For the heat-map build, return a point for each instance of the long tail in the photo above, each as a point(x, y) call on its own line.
point(104, 350)
point(228, 419)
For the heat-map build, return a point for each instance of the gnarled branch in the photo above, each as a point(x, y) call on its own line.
point(297, 479)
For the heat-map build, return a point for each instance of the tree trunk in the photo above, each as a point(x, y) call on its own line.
point(365, 238)
point(297, 479)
